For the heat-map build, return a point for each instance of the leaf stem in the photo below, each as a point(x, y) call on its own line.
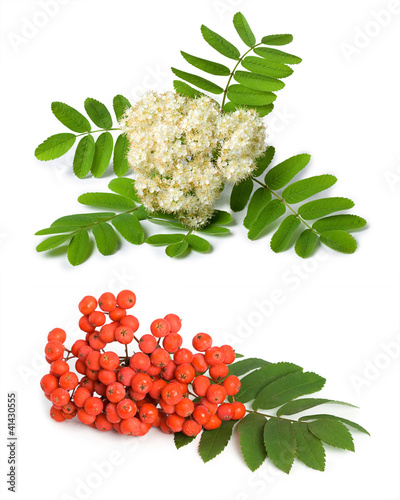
point(99, 130)
point(269, 416)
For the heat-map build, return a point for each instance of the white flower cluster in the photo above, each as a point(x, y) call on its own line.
point(183, 150)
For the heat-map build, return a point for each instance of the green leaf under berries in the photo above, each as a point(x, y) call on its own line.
point(332, 432)
point(186, 90)
point(198, 244)
point(241, 367)
point(283, 236)
point(120, 105)
point(98, 113)
point(266, 68)
point(324, 206)
point(258, 202)
point(306, 243)
point(241, 94)
point(309, 449)
point(52, 242)
point(129, 227)
point(180, 439)
point(349, 423)
point(303, 189)
point(55, 146)
point(70, 117)
point(105, 237)
point(273, 210)
point(288, 387)
point(107, 200)
point(164, 239)
point(264, 161)
point(221, 218)
point(240, 194)
point(277, 39)
point(120, 161)
point(344, 222)
point(339, 241)
point(213, 442)
point(205, 65)
point(251, 431)
point(125, 187)
point(84, 155)
point(177, 249)
point(219, 43)
point(280, 443)
point(102, 154)
point(299, 405)
point(199, 81)
point(258, 82)
point(78, 249)
point(252, 384)
point(276, 55)
point(243, 29)
point(284, 172)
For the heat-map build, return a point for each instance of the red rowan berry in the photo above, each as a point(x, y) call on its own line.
point(199, 363)
point(153, 371)
point(124, 335)
point(68, 381)
point(159, 357)
point(225, 411)
point(216, 393)
point(168, 371)
point(131, 321)
point(69, 408)
point(87, 383)
point(117, 314)
point(126, 408)
point(213, 423)
point(85, 418)
point(166, 428)
point(85, 325)
point(57, 334)
point(59, 367)
point(77, 345)
point(100, 388)
point(60, 396)
point(81, 395)
point(126, 299)
point(175, 422)
point(239, 410)
point(172, 342)
point(109, 360)
point(115, 392)
point(174, 321)
point(185, 373)
point(140, 362)
point(137, 396)
point(201, 342)
point(183, 356)
point(130, 426)
point(93, 405)
point(191, 428)
point(93, 360)
point(80, 367)
point(95, 342)
point(83, 353)
point(56, 414)
point(107, 302)
point(172, 393)
point(228, 354)
point(201, 414)
point(156, 388)
point(213, 356)
point(147, 343)
point(125, 375)
point(92, 374)
point(212, 407)
point(107, 377)
point(232, 385)
point(87, 305)
point(102, 424)
point(97, 318)
point(112, 414)
point(107, 332)
point(148, 413)
point(48, 383)
point(218, 372)
point(185, 407)
point(160, 328)
point(54, 350)
point(200, 385)
point(141, 383)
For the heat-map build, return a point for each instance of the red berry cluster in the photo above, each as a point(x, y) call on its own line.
point(162, 384)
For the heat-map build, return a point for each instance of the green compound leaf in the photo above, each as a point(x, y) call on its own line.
point(258, 82)
point(81, 220)
point(264, 161)
point(214, 230)
point(55, 146)
point(306, 243)
point(283, 236)
point(219, 43)
point(70, 117)
point(78, 249)
point(309, 449)
point(276, 55)
point(198, 244)
point(98, 113)
point(267, 216)
point(287, 388)
point(107, 200)
point(180, 439)
point(332, 432)
point(230, 106)
point(205, 65)
point(120, 105)
point(125, 187)
point(252, 384)
point(277, 39)
point(186, 90)
point(240, 194)
point(120, 162)
point(243, 29)
point(339, 240)
point(240, 94)
point(344, 222)
point(129, 227)
point(266, 68)
point(56, 230)
point(251, 431)
point(105, 237)
point(349, 423)
point(221, 218)
point(84, 156)
point(299, 405)
point(177, 249)
point(258, 202)
point(213, 442)
point(284, 172)
point(280, 443)
point(241, 367)
point(102, 154)
point(53, 242)
point(164, 239)
point(324, 206)
point(301, 190)
point(198, 81)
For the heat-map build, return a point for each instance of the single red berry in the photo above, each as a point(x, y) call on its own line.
point(111, 413)
point(168, 371)
point(159, 357)
point(185, 407)
point(174, 321)
point(225, 411)
point(130, 321)
point(69, 408)
point(228, 354)
point(126, 299)
point(77, 345)
point(199, 363)
point(200, 385)
point(172, 393)
point(92, 360)
point(191, 428)
point(124, 335)
point(212, 407)
point(107, 332)
point(172, 342)
point(87, 305)
point(160, 328)
point(125, 375)
point(232, 385)
point(130, 426)
point(85, 325)
point(48, 383)
point(175, 422)
point(148, 413)
point(239, 410)
point(59, 367)
point(115, 392)
point(126, 408)
point(216, 394)
point(57, 334)
point(141, 383)
point(84, 352)
point(201, 414)
point(201, 342)
point(147, 343)
point(95, 342)
point(140, 362)
point(97, 318)
point(69, 381)
point(107, 302)
point(156, 388)
point(183, 356)
point(107, 377)
point(213, 356)
point(54, 350)
point(102, 424)
point(93, 406)
point(109, 360)
point(60, 396)
point(100, 388)
point(117, 314)
point(218, 372)
point(56, 414)
point(213, 423)
point(81, 395)
point(165, 427)
point(185, 373)
point(85, 418)
point(80, 367)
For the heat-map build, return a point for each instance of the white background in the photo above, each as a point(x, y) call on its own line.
point(337, 314)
